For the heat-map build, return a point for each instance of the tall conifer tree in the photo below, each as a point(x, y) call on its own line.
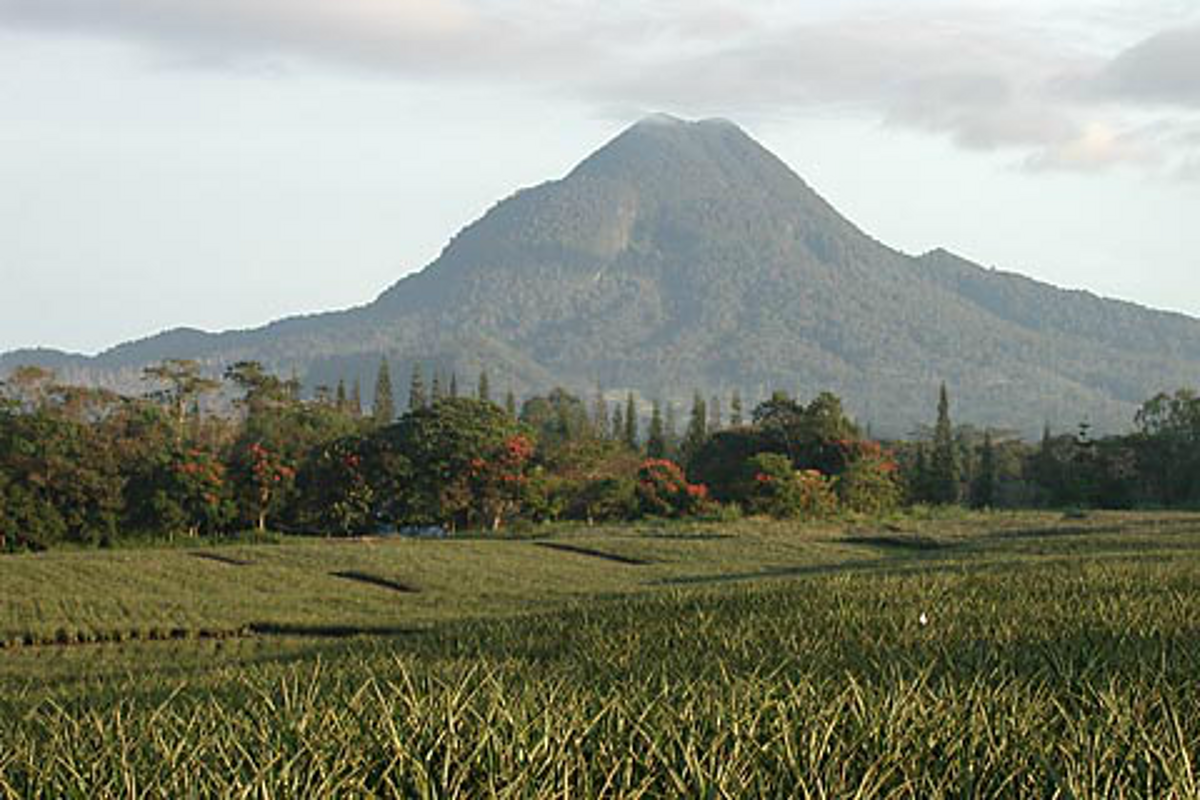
point(631, 423)
point(735, 409)
point(983, 490)
point(697, 430)
point(600, 414)
point(943, 466)
point(671, 432)
point(510, 403)
point(656, 439)
point(384, 408)
point(417, 398)
point(356, 398)
point(485, 386)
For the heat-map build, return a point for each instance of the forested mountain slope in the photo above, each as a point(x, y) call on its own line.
point(684, 255)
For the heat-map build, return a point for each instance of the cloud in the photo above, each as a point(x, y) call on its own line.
point(411, 37)
point(979, 72)
point(1164, 69)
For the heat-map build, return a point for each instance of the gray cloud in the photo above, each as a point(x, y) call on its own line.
point(969, 71)
point(1162, 69)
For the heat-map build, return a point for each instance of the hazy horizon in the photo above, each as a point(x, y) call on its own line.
point(234, 163)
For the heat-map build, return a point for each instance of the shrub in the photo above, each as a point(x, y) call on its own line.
point(870, 484)
point(663, 491)
point(610, 499)
point(780, 491)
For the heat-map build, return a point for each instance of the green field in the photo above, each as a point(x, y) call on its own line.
point(1061, 657)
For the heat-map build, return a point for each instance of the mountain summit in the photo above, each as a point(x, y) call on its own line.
point(684, 255)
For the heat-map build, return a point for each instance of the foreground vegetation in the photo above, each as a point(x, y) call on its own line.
point(1058, 657)
point(86, 466)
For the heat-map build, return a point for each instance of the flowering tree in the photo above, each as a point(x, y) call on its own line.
point(195, 485)
point(663, 491)
point(270, 478)
point(496, 480)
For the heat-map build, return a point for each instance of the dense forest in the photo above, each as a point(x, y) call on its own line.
point(195, 456)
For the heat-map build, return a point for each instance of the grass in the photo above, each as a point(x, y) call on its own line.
point(1061, 658)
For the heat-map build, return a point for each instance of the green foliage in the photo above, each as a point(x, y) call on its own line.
point(630, 434)
point(417, 398)
point(870, 483)
point(1168, 447)
point(338, 488)
point(779, 490)
point(723, 464)
point(697, 430)
point(484, 389)
point(983, 487)
point(557, 419)
point(656, 437)
point(467, 460)
point(383, 409)
point(943, 476)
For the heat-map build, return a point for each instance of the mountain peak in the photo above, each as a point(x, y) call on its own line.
point(665, 154)
point(663, 120)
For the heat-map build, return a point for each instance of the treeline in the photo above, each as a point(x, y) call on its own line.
point(197, 456)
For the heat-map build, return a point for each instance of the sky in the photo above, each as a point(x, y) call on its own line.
point(222, 163)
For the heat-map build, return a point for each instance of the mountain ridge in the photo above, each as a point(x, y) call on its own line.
point(685, 255)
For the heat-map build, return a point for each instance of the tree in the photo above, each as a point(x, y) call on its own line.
point(467, 460)
point(485, 389)
point(778, 489)
point(556, 418)
point(697, 429)
point(735, 409)
point(656, 440)
point(454, 384)
point(435, 391)
point(270, 478)
point(356, 399)
point(943, 464)
point(671, 430)
point(1168, 447)
point(600, 414)
point(714, 414)
point(182, 386)
point(260, 389)
point(337, 490)
point(983, 488)
point(416, 389)
point(510, 404)
point(631, 423)
point(340, 400)
point(383, 410)
point(663, 491)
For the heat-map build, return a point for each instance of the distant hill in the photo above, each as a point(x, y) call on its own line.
point(685, 255)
